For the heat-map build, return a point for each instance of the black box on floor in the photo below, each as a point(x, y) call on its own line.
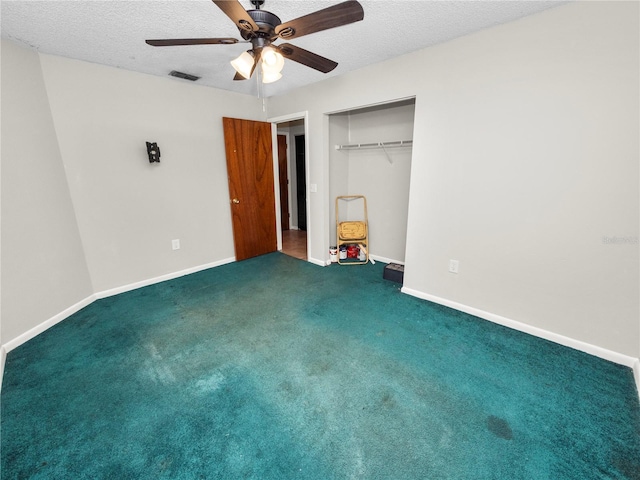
point(394, 272)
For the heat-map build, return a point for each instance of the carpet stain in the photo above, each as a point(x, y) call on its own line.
point(387, 400)
point(319, 368)
point(210, 384)
point(499, 427)
point(627, 465)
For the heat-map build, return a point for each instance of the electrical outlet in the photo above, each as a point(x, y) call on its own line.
point(313, 188)
point(454, 266)
point(175, 244)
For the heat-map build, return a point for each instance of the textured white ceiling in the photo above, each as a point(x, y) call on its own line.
point(113, 32)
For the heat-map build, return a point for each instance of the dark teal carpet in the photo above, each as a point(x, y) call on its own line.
point(274, 368)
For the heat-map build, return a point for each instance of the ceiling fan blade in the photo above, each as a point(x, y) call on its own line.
point(238, 77)
point(236, 12)
point(306, 57)
point(342, 14)
point(169, 42)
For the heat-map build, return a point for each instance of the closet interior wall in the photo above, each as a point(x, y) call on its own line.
point(381, 175)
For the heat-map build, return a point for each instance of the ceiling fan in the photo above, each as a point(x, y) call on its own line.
point(261, 28)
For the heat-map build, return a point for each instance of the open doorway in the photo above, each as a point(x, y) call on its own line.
point(293, 187)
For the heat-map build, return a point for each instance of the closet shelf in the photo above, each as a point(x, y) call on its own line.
point(384, 145)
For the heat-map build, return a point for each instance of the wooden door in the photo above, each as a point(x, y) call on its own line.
point(251, 188)
point(284, 181)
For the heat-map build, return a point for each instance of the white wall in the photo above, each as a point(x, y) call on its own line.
point(83, 211)
point(525, 158)
point(129, 210)
point(43, 265)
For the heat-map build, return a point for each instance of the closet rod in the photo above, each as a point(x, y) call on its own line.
point(360, 146)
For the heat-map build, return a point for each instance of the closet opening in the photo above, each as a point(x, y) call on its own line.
point(370, 154)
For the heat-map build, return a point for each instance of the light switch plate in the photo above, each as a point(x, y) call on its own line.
point(454, 266)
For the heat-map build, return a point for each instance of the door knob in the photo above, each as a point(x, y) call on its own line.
point(236, 201)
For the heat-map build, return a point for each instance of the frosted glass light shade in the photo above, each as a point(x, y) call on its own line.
point(272, 60)
point(244, 64)
point(270, 77)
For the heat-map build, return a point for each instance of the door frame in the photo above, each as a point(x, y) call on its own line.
point(304, 116)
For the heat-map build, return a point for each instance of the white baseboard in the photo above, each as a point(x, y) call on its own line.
point(378, 258)
point(372, 259)
point(636, 374)
point(162, 278)
point(320, 263)
point(610, 355)
point(3, 358)
point(38, 329)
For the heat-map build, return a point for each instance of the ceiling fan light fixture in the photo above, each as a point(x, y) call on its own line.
point(260, 28)
point(270, 77)
point(272, 60)
point(244, 64)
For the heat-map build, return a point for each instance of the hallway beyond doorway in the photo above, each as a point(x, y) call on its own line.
point(294, 243)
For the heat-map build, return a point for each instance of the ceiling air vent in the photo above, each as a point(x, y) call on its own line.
point(186, 76)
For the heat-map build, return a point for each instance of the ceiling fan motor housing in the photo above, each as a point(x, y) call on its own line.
point(266, 22)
